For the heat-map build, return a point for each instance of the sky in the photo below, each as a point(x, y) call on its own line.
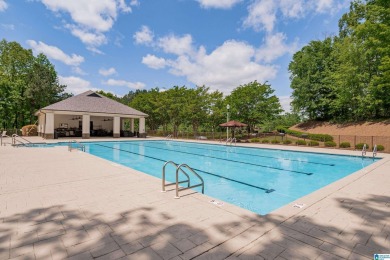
point(123, 45)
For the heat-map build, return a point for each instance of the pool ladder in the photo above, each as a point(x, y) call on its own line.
point(75, 145)
point(17, 142)
point(231, 140)
point(181, 168)
point(374, 151)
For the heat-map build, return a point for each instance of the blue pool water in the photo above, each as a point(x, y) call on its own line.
point(260, 180)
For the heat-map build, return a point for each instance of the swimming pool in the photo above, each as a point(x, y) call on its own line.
point(260, 180)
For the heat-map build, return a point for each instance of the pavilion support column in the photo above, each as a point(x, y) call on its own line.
point(49, 126)
point(40, 124)
point(86, 126)
point(142, 132)
point(117, 127)
point(132, 125)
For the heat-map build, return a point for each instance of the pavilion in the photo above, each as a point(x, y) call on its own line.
point(89, 114)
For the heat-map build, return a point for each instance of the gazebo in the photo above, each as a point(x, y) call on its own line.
point(88, 114)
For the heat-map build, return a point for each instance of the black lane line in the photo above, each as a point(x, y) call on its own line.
point(151, 157)
point(229, 160)
point(255, 155)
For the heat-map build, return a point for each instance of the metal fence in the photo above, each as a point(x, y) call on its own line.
point(353, 140)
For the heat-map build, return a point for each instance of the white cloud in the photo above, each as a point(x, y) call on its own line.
point(3, 5)
point(292, 8)
point(261, 15)
point(145, 36)
point(55, 53)
point(275, 47)
point(91, 18)
point(107, 72)
point(75, 85)
point(176, 45)
point(123, 83)
point(227, 67)
point(285, 103)
point(153, 62)
point(9, 27)
point(90, 38)
point(223, 4)
point(79, 71)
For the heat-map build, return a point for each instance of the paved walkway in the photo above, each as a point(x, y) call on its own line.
point(56, 204)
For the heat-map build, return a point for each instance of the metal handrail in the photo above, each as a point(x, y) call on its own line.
point(14, 140)
point(231, 140)
point(70, 146)
point(169, 136)
point(189, 187)
point(364, 150)
point(374, 151)
point(1, 138)
point(228, 140)
point(170, 184)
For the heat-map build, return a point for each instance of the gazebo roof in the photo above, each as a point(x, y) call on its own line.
point(92, 102)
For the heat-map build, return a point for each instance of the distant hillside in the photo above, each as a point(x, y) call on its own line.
point(359, 129)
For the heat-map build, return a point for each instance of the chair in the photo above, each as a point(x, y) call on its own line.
point(4, 134)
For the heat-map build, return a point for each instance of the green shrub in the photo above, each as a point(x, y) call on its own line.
point(345, 145)
point(359, 146)
point(315, 137)
point(287, 142)
point(380, 147)
point(281, 129)
point(265, 141)
point(313, 143)
point(254, 140)
point(301, 142)
point(275, 141)
point(330, 144)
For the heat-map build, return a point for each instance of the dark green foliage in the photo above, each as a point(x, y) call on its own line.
point(346, 77)
point(300, 142)
point(359, 146)
point(380, 147)
point(315, 137)
point(313, 143)
point(254, 140)
point(345, 145)
point(27, 83)
point(274, 141)
point(287, 142)
point(330, 144)
point(265, 141)
point(253, 104)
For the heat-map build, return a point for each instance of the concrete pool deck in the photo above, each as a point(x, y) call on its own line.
point(56, 204)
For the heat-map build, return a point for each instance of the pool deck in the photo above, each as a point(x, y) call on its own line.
point(56, 204)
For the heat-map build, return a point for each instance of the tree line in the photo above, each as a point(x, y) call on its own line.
point(198, 109)
point(346, 77)
point(27, 83)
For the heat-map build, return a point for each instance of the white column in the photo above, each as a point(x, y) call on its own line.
point(49, 126)
point(117, 127)
point(142, 127)
point(132, 125)
point(86, 130)
point(40, 124)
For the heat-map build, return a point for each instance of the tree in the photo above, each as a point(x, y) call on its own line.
point(148, 102)
point(254, 103)
point(346, 78)
point(172, 103)
point(310, 70)
point(26, 84)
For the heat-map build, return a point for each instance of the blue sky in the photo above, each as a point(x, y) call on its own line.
point(123, 45)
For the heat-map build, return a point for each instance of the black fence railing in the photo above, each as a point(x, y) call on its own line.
point(351, 142)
